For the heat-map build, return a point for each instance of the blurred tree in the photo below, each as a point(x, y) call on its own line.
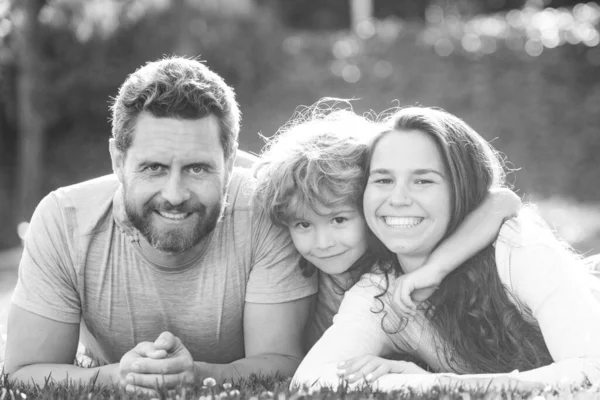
point(30, 86)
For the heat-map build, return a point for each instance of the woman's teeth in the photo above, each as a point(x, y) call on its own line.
point(402, 222)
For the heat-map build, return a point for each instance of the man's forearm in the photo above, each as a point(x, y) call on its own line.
point(39, 373)
point(262, 364)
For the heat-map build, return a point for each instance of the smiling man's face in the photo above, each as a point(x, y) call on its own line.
point(174, 177)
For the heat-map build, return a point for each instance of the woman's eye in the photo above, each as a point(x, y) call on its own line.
point(303, 225)
point(340, 220)
point(423, 181)
point(383, 181)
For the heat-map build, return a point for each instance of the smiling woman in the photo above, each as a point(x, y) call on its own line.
point(525, 302)
point(407, 197)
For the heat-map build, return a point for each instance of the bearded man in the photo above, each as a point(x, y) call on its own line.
point(164, 270)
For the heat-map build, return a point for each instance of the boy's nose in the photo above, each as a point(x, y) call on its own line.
point(324, 239)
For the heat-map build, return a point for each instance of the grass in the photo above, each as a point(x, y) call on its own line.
point(277, 388)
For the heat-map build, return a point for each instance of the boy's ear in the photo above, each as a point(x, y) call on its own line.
point(117, 158)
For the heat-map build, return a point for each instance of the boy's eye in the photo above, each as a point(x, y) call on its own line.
point(340, 220)
point(302, 225)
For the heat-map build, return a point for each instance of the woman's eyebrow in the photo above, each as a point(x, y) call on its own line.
point(424, 171)
point(379, 171)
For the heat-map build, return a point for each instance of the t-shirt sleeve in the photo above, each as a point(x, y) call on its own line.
point(275, 276)
point(47, 280)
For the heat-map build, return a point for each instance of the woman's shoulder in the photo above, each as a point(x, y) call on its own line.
point(532, 262)
point(526, 229)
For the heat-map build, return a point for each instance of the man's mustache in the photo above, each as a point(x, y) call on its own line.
point(183, 208)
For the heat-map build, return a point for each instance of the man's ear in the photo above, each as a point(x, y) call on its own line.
point(117, 158)
point(229, 163)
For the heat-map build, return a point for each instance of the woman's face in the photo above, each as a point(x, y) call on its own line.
point(407, 199)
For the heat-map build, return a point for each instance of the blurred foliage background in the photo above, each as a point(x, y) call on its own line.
point(523, 73)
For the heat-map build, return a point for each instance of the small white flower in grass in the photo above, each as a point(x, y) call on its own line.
point(227, 386)
point(210, 382)
point(281, 396)
point(234, 393)
point(222, 395)
point(266, 395)
point(23, 396)
point(538, 397)
point(253, 398)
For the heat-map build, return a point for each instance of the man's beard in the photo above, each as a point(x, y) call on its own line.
point(174, 240)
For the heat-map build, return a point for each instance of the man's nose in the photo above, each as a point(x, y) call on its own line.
point(175, 190)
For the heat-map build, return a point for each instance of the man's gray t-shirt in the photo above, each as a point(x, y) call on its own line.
point(82, 263)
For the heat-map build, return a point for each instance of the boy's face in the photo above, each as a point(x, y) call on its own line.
point(332, 239)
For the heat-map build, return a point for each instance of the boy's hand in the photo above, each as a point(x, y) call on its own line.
point(413, 288)
point(370, 368)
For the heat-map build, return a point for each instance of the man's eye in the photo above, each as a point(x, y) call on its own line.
point(383, 181)
point(154, 167)
point(197, 170)
point(340, 220)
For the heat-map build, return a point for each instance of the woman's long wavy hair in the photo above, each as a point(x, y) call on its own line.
point(481, 329)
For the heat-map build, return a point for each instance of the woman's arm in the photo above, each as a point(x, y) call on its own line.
point(356, 330)
point(565, 301)
point(479, 229)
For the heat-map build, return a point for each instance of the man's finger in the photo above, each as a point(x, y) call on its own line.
point(144, 348)
point(165, 366)
point(156, 381)
point(132, 389)
point(157, 354)
point(167, 341)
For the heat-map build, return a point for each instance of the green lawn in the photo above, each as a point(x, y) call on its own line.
point(266, 388)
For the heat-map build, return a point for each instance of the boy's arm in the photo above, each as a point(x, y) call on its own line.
point(479, 229)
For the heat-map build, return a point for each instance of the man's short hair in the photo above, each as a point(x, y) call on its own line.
point(175, 87)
